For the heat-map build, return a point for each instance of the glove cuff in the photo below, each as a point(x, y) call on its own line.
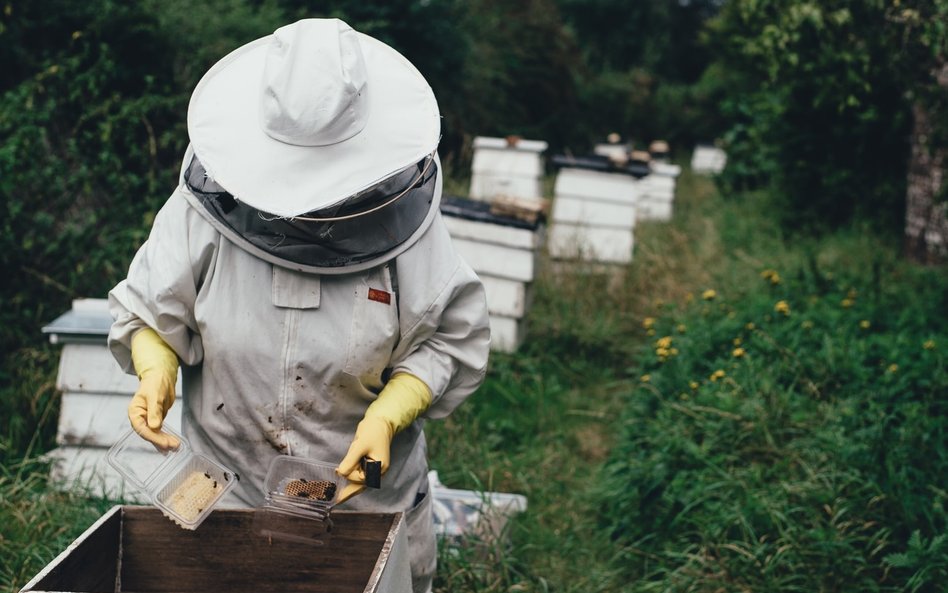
point(151, 354)
point(402, 400)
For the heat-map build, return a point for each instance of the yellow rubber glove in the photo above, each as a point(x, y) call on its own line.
point(404, 398)
point(157, 367)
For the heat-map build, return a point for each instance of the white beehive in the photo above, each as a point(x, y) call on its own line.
point(95, 396)
point(657, 195)
point(593, 217)
point(708, 159)
point(503, 251)
point(614, 152)
point(506, 167)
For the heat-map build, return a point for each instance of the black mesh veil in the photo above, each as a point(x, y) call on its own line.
point(358, 229)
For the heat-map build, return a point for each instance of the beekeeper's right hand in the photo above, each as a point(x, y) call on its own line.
point(157, 367)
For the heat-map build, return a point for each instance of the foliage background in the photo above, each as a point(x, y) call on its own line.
point(811, 100)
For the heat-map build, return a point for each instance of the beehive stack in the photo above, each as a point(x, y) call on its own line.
point(510, 167)
point(593, 216)
point(502, 246)
point(657, 195)
point(94, 410)
point(708, 159)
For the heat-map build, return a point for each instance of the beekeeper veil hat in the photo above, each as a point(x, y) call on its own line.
point(316, 146)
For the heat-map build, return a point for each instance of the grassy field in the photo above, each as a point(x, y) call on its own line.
point(735, 411)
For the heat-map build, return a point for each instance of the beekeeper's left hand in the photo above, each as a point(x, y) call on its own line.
point(156, 365)
point(403, 399)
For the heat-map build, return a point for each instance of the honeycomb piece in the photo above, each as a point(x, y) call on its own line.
point(195, 493)
point(311, 489)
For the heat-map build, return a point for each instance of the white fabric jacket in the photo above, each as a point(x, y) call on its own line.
point(276, 361)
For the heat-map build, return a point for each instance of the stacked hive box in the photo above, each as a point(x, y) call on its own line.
point(594, 214)
point(95, 396)
point(503, 251)
point(510, 167)
point(657, 192)
point(708, 159)
point(613, 151)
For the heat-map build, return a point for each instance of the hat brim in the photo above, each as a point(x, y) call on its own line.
point(283, 179)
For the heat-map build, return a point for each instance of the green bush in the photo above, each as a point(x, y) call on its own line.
point(820, 111)
point(792, 436)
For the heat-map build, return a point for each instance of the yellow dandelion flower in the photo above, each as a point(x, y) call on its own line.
point(709, 294)
point(782, 307)
point(650, 332)
point(893, 368)
point(661, 351)
point(694, 385)
point(648, 322)
point(846, 303)
point(680, 328)
point(807, 324)
point(739, 352)
point(645, 378)
point(673, 351)
point(771, 275)
point(718, 374)
point(929, 345)
point(737, 341)
point(864, 324)
point(664, 342)
point(750, 326)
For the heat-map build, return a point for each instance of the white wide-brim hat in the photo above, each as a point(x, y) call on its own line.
point(306, 117)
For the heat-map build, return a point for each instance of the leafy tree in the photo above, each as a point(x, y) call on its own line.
point(91, 136)
point(919, 32)
point(821, 111)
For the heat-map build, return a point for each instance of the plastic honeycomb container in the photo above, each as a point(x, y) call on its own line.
point(184, 485)
point(299, 495)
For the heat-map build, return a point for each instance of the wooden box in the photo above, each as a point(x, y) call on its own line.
point(133, 548)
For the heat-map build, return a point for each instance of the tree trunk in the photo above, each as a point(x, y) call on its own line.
point(926, 218)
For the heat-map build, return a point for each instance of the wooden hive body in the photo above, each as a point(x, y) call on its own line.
point(134, 548)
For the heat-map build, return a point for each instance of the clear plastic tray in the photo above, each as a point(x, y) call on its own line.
point(184, 485)
point(299, 495)
point(459, 513)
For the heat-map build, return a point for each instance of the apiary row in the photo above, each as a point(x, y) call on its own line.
point(597, 201)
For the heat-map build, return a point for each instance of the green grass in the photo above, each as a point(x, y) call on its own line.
point(812, 464)
point(37, 522)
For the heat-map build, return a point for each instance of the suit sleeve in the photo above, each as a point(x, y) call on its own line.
point(445, 331)
point(162, 284)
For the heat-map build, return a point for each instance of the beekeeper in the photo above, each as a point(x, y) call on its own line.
point(302, 275)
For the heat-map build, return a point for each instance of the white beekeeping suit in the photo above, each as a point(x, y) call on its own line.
point(302, 261)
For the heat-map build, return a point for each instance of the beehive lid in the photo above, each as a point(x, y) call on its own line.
point(601, 163)
point(509, 143)
point(480, 211)
point(88, 322)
